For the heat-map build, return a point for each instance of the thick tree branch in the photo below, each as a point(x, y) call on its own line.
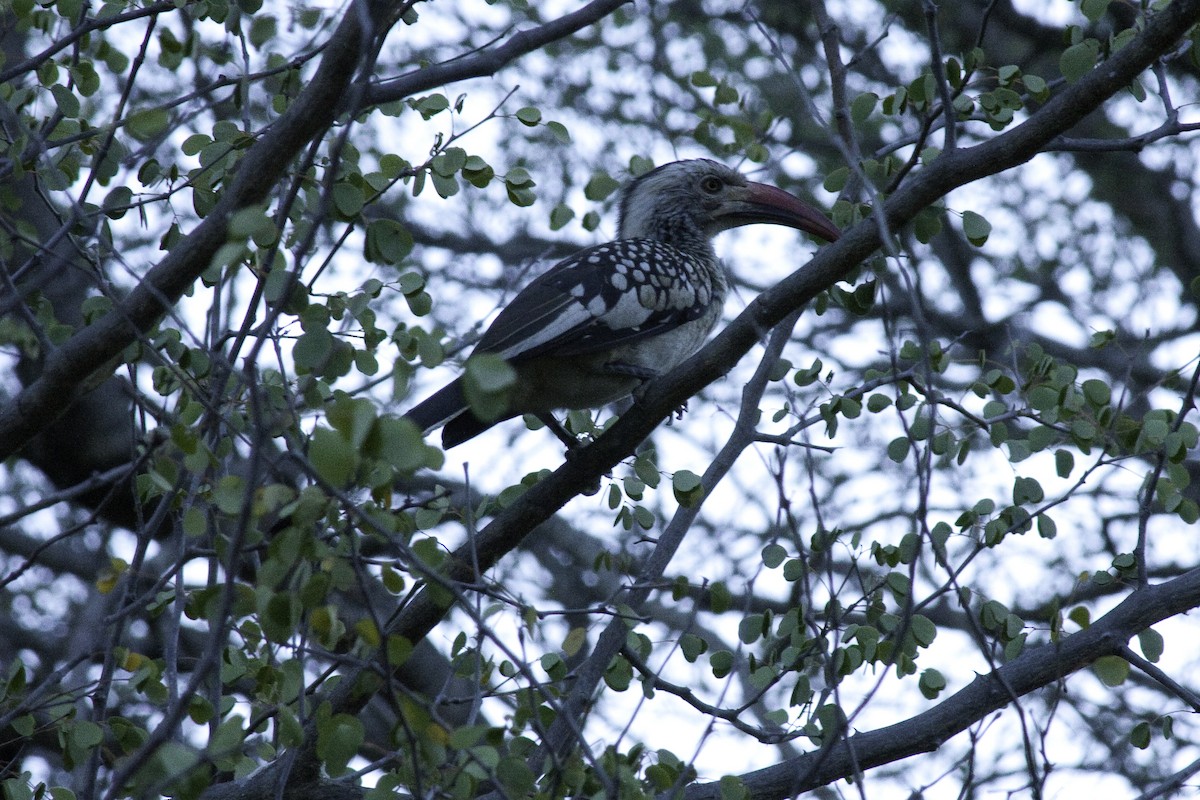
point(832, 263)
point(89, 356)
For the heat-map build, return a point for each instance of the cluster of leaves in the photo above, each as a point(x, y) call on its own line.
point(290, 480)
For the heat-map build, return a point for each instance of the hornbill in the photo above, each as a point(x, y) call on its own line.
point(610, 317)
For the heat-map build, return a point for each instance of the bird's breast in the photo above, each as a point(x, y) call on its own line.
point(664, 351)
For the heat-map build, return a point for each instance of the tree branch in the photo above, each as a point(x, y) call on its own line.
point(91, 354)
point(832, 263)
point(924, 733)
point(489, 61)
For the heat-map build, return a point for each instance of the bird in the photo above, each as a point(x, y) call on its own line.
point(602, 322)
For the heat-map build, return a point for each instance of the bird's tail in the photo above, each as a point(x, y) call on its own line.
point(439, 408)
point(448, 407)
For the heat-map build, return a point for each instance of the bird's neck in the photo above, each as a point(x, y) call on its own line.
point(678, 232)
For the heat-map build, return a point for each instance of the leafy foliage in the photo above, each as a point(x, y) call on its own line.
point(242, 237)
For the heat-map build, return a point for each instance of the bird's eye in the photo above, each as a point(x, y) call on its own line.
point(712, 184)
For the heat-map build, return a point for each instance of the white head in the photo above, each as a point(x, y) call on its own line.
point(701, 198)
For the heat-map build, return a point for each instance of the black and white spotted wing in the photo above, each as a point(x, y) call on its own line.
point(602, 297)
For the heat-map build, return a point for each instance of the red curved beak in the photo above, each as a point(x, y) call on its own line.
point(762, 203)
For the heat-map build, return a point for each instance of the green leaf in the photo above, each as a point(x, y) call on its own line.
point(1112, 670)
point(647, 471)
point(1047, 529)
point(600, 186)
point(353, 417)
point(773, 555)
point(431, 105)
point(640, 165)
point(520, 196)
point(347, 198)
point(528, 115)
point(1097, 392)
point(1081, 616)
point(1078, 59)
point(332, 456)
point(560, 216)
point(976, 228)
point(725, 94)
point(619, 674)
point(65, 99)
point(147, 124)
point(719, 598)
point(87, 734)
point(721, 663)
point(732, 788)
point(1151, 642)
point(387, 242)
point(836, 181)
point(228, 737)
point(86, 79)
point(398, 442)
point(449, 161)
point(862, 106)
point(805, 376)
point(899, 583)
point(117, 202)
point(1139, 737)
point(515, 777)
point(692, 646)
point(1027, 490)
point(1064, 462)
point(1094, 9)
point(519, 177)
point(923, 630)
point(262, 29)
point(487, 382)
point(931, 683)
point(878, 402)
point(560, 132)
point(338, 740)
point(447, 186)
point(491, 373)
point(898, 448)
point(751, 628)
point(927, 224)
point(687, 488)
point(193, 144)
point(229, 494)
point(399, 649)
point(312, 350)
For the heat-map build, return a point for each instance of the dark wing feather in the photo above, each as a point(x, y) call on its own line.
point(576, 309)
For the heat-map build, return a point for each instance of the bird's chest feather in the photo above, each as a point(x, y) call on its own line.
point(665, 350)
